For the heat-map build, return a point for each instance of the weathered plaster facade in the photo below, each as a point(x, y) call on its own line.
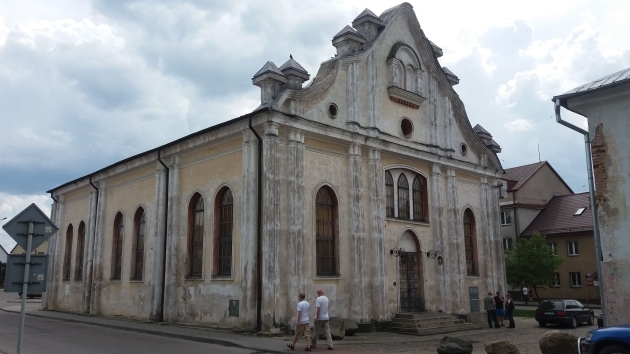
point(382, 106)
point(606, 105)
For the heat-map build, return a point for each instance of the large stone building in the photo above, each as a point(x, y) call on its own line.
point(369, 181)
point(606, 104)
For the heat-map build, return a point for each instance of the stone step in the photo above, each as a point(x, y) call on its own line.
point(438, 329)
point(433, 320)
point(427, 324)
point(421, 316)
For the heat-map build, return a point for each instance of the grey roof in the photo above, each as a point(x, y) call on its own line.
point(269, 67)
point(292, 64)
point(366, 12)
point(347, 30)
point(479, 129)
point(604, 82)
point(452, 78)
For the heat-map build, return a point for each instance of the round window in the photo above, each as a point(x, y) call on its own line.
point(406, 127)
point(332, 110)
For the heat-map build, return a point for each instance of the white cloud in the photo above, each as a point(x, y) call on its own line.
point(520, 125)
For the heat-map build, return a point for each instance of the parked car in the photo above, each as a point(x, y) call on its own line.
point(609, 340)
point(566, 311)
point(30, 296)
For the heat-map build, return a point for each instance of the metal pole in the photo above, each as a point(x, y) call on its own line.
point(27, 266)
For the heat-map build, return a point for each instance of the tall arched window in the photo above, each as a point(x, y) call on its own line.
point(326, 232)
point(67, 259)
point(470, 242)
point(195, 236)
point(223, 238)
point(419, 199)
point(117, 246)
point(139, 229)
point(78, 266)
point(403, 197)
point(389, 195)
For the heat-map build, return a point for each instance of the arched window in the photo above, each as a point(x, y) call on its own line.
point(223, 238)
point(67, 259)
point(78, 266)
point(403, 197)
point(420, 199)
point(326, 232)
point(139, 229)
point(117, 246)
point(389, 195)
point(195, 236)
point(470, 242)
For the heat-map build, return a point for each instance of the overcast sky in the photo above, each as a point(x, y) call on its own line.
point(86, 83)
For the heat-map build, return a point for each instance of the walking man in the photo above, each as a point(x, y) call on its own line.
point(509, 310)
point(302, 327)
point(488, 305)
point(525, 295)
point(321, 320)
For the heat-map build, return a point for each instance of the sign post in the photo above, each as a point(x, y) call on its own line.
point(36, 223)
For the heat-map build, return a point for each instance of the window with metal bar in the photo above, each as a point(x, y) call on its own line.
point(389, 195)
point(117, 247)
point(470, 242)
point(137, 265)
point(403, 197)
point(326, 219)
point(226, 222)
point(78, 266)
point(418, 199)
point(67, 259)
point(195, 243)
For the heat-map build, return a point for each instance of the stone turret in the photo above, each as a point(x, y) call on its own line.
point(367, 24)
point(486, 137)
point(270, 80)
point(295, 73)
point(347, 41)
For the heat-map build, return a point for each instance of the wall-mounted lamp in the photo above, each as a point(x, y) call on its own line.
point(433, 254)
point(396, 251)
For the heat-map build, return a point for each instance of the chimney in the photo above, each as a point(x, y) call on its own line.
point(367, 24)
point(295, 73)
point(347, 41)
point(270, 80)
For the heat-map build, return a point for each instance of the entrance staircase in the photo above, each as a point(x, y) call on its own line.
point(425, 323)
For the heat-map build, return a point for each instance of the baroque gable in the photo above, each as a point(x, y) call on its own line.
point(386, 82)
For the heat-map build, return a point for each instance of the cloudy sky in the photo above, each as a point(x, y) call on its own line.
point(85, 83)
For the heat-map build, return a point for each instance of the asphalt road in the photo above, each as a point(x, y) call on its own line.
point(42, 335)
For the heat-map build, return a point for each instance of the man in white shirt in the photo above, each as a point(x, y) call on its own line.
point(321, 319)
point(526, 294)
point(302, 327)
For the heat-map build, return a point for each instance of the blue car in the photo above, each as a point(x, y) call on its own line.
point(609, 340)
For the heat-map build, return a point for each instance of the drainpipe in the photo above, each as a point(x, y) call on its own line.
point(591, 191)
point(518, 234)
point(258, 232)
point(161, 317)
point(90, 260)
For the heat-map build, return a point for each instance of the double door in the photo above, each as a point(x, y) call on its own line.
point(410, 283)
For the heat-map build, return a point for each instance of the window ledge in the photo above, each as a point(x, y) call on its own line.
point(193, 279)
point(506, 224)
point(576, 286)
point(417, 222)
point(332, 276)
point(222, 277)
point(572, 255)
point(115, 280)
point(77, 280)
point(136, 280)
point(405, 97)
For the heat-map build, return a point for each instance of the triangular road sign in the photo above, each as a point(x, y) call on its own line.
point(43, 228)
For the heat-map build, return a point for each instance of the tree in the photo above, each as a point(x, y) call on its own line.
point(531, 263)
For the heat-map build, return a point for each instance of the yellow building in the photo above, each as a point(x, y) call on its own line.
point(369, 182)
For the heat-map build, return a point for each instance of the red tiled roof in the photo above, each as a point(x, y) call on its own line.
point(558, 217)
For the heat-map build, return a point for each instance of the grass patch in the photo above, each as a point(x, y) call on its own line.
point(524, 313)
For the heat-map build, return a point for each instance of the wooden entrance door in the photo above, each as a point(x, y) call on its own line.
point(410, 283)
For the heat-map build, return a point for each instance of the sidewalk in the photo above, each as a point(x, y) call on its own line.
point(245, 340)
